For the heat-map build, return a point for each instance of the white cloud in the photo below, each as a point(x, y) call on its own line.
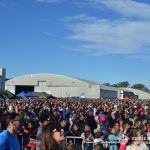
point(126, 7)
point(88, 4)
point(127, 35)
point(50, 1)
point(81, 17)
point(145, 58)
point(111, 37)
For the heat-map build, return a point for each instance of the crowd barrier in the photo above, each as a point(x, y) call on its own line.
point(66, 138)
point(35, 141)
point(121, 142)
point(93, 143)
point(20, 138)
point(32, 144)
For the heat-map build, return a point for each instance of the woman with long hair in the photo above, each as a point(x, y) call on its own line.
point(52, 137)
point(137, 141)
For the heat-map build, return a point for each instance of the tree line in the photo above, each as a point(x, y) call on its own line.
point(126, 84)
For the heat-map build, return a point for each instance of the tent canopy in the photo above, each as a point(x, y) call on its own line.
point(29, 94)
point(22, 95)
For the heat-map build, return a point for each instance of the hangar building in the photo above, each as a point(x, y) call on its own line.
point(60, 86)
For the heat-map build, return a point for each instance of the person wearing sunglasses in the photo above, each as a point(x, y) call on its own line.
point(52, 137)
point(8, 138)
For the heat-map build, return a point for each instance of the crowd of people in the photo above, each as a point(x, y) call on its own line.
point(74, 124)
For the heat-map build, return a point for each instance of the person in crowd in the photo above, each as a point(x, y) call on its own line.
point(117, 126)
point(29, 133)
point(87, 114)
point(64, 126)
point(137, 141)
point(99, 138)
point(127, 127)
point(84, 135)
point(8, 138)
point(90, 138)
point(90, 120)
point(103, 122)
point(74, 131)
point(43, 120)
point(86, 129)
point(52, 137)
point(81, 122)
point(114, 138)
point(143, 126)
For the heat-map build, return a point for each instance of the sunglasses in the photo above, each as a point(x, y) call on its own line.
point(56, 130)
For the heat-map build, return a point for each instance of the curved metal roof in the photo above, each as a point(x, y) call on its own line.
point(50, 79)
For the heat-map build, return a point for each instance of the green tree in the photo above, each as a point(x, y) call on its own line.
point(123, 84)
point(107, 84)
point(115, 85)
point(138, 86)
point(146, 89)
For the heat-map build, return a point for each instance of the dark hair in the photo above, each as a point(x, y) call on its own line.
point(48, 142)
point(133, 135)
point(10, 117)
point(43, 118)
point(127, 122)
point(88, 133)
point(99, 134)
point(72, 127)
point(62, 119)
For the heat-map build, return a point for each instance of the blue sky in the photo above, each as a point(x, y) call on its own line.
point(99, 40)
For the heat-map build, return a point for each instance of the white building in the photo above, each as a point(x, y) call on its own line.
point(60, 86)
point(141, 94)
point(64, 86)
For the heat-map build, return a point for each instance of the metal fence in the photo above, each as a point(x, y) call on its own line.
point(93, 143)
point(83, 144)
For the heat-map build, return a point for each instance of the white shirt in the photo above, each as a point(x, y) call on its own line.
point(140, 147)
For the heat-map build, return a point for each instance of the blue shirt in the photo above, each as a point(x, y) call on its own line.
point(8, 141)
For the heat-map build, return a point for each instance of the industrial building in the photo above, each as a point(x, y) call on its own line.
point(60, 86)
point(141, 94)
point(64, 86)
